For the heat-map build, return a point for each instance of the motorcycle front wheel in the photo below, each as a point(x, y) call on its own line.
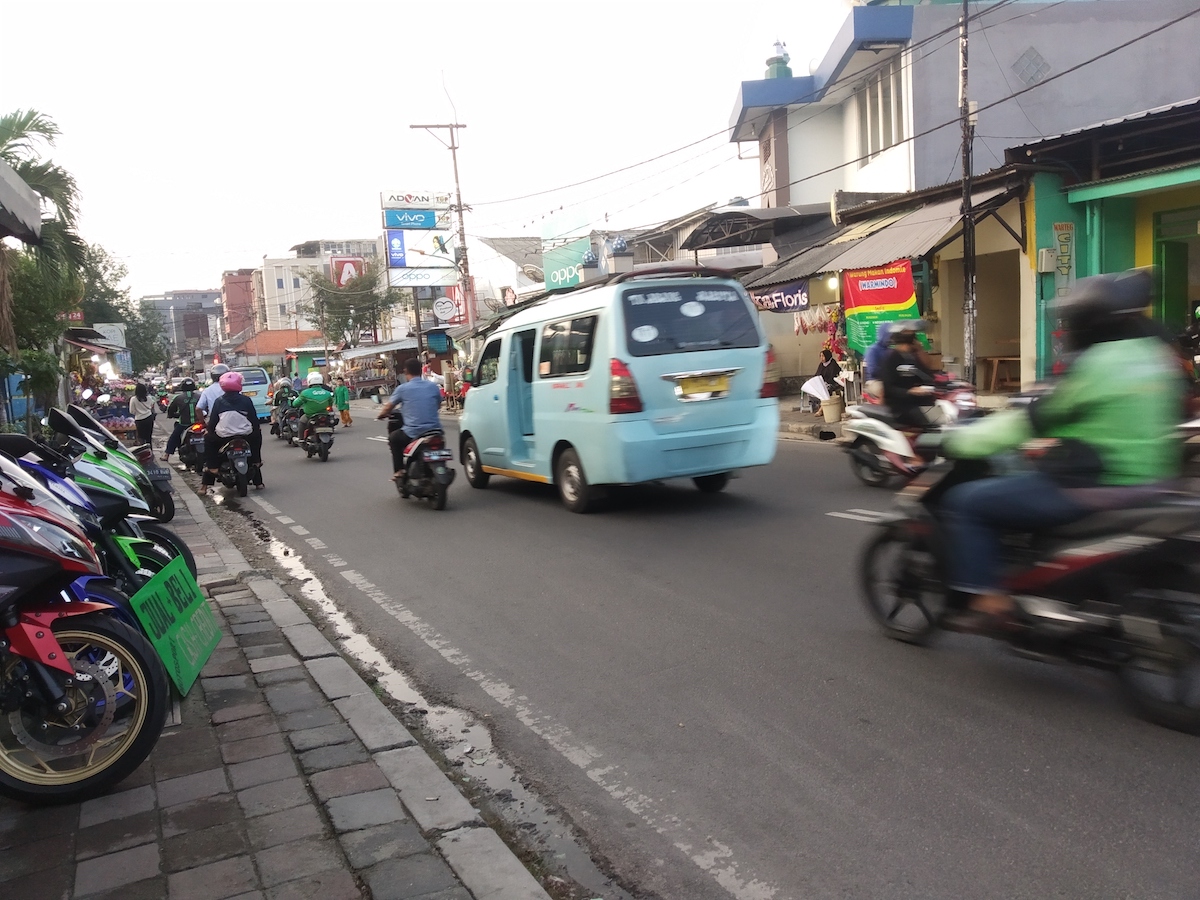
point(901, 587)
point(118, 705)
point(167, 540)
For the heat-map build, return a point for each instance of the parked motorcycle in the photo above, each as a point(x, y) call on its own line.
point(153, 479)
point(317, 438)
point(427, 472)
point(83, 693)
point(1116, 590)
point(880, 448)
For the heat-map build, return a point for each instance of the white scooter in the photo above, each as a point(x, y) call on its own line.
point(880, 449)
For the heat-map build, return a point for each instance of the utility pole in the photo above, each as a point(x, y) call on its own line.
point(464, 270)
point(968, 215)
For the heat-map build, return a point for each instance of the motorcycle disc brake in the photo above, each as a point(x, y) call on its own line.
point(89, 678)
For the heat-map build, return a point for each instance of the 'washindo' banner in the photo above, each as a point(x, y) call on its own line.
point(178, 622)
point(871, 296)
point(790, 297)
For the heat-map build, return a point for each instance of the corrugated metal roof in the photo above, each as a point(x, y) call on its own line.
point(874, 242)
point(1108, 123)
point(372, 349)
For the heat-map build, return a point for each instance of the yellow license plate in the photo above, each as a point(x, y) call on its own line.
point(713, 384)
point(250, 393)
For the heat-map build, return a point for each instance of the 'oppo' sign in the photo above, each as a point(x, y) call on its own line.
point(564, 277)
point(563, 265)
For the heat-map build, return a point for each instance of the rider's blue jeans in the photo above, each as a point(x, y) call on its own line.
point(976, 513)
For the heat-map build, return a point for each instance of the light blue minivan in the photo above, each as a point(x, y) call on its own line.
point(256, 384)
point(655, 375)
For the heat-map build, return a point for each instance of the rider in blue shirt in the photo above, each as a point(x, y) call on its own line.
point(418, 400)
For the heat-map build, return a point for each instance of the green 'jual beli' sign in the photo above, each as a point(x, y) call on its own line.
point(178, 621)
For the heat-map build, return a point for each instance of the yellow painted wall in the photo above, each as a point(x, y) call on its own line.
point(1147, 207)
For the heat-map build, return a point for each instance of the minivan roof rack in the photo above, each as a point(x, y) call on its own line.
point(672, 271)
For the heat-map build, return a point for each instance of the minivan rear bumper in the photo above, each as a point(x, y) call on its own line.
point(645, 455)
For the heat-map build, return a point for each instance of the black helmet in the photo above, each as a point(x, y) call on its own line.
point(1106, 308)
point(187, 385)
point(218, 370)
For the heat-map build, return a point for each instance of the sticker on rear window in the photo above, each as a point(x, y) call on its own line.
point(644, 334)
point(692, 308)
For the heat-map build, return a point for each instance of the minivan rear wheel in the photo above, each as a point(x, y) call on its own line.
point(572, 484)
point(712, 484)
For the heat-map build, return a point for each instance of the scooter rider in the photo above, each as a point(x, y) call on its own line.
point(284, 394)
point(314, 399)
point(183, 410)
point(1108, 424)
point(233, 415)
point(213, 391)
point(907, 381)
point(419, 401)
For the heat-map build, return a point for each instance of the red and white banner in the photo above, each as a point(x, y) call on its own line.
point(344, 269)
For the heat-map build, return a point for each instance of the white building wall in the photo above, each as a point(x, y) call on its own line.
point(282, 302)
point(815, 143)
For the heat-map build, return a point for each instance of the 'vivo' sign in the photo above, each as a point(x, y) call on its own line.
point(416, 219)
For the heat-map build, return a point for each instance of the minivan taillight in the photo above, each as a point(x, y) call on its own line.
point(770, 385)
point(623, 394)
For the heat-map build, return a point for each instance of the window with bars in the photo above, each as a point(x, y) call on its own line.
point(880, 103)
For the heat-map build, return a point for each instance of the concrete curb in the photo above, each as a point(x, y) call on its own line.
point(475, 853)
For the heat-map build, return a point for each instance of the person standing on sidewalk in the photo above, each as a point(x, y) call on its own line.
point(142, 411)
point(341, 400)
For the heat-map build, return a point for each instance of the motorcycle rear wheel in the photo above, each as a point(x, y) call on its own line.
point(437, 499)
point(863, 472)
point(81, 754)
point(901, 587)
point(164, 506)
point(243, 484)
point(323, 453)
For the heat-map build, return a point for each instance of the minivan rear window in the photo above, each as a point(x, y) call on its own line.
point(686, 318)
point(253, 376)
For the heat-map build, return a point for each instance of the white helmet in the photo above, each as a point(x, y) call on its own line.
point(282, 383)
point(315, 378)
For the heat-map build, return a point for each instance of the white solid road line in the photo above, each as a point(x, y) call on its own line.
point(859, 515)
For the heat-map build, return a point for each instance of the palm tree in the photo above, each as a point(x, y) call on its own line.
point(61, 252)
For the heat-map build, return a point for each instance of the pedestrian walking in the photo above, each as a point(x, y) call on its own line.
point(142, 411)
point(341, 400)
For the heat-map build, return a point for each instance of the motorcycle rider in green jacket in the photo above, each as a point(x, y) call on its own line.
point(1110, 422)
point(314, 399)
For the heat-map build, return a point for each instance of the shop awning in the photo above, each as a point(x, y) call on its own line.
point(91, 348)
point(20, 209)
point(372, 349)
point(879, 240)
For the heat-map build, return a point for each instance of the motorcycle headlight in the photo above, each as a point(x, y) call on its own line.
point(57, 540)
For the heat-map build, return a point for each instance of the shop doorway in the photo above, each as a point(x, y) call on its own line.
point(1177, 258)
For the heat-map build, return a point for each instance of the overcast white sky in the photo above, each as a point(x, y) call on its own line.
point(207, 135)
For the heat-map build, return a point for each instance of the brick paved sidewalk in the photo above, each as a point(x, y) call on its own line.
point(287, 778)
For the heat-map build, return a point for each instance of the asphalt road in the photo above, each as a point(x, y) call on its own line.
point(693, 680)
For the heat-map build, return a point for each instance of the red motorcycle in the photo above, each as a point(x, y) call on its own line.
point(83, 695)
point(1117, 590)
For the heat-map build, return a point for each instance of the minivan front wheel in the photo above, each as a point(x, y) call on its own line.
point(572, 484)
point(472, 465)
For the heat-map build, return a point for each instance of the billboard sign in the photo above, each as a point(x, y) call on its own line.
point(425, 277)
point(395, 249)
point(344, 269)
point(417, 219)
point(871, 296)
point(563, 265)
point(414, 200)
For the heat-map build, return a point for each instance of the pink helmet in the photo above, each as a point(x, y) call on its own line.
point(231, 381)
